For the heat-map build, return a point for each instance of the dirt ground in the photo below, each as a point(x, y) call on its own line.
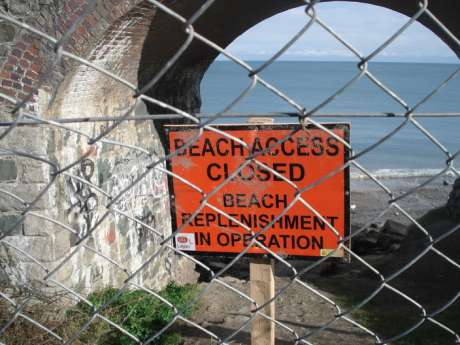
point(223, 311)
point(431, 283)
point(298, 308)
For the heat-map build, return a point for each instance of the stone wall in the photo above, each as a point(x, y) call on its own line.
point(112, 37)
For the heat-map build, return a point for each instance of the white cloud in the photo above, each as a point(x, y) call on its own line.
point(363, 26)
point(318, 52)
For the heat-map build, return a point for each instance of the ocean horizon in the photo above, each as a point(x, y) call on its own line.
point(408, 153)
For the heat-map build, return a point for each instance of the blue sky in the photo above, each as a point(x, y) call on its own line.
point(364, 26)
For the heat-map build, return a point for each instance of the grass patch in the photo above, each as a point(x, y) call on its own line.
point(137, 312)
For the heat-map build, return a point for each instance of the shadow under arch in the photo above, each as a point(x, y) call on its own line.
point(222, 23)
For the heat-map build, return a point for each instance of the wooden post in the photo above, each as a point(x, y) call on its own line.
point(262, 280)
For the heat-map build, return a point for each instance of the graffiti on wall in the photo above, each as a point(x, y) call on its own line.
point(83, 200)
point(144, 234)
point(144, 201)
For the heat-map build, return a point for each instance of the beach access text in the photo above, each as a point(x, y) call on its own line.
point(225, 192)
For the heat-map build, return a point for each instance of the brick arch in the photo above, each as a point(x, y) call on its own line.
point(117, 51)
point(25, 55)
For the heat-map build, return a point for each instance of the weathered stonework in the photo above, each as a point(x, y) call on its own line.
point(8, 170)
point(117, 38)
point(133, 40)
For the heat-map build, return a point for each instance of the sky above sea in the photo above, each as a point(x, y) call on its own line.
point(363, 26)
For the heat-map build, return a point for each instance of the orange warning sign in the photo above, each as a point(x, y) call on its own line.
point(259, 197)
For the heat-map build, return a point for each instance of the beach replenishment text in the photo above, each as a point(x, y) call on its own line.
point(258, 177)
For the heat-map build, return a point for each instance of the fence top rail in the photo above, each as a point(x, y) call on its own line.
point(281, 115)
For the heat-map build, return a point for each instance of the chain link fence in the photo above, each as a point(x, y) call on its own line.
point(27, 307)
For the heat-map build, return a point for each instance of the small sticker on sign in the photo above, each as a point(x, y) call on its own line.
point(185, 241)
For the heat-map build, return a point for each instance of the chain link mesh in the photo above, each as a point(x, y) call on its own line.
point(153, 164)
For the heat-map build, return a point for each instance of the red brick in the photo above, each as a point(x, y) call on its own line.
point(82, 30)
point(33, 51)
point(8, 92)
point(7, 83)
point(36, 68)
point(28, 89)
point(4, 74)
point(17, 53)
point(38, 60)
point(29, 56)
point(32, 75)
point(24, 63)
point(12, 60)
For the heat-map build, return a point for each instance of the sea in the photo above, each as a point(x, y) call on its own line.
point(408, 153)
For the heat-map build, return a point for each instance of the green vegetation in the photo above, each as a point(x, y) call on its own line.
point(138, 312)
